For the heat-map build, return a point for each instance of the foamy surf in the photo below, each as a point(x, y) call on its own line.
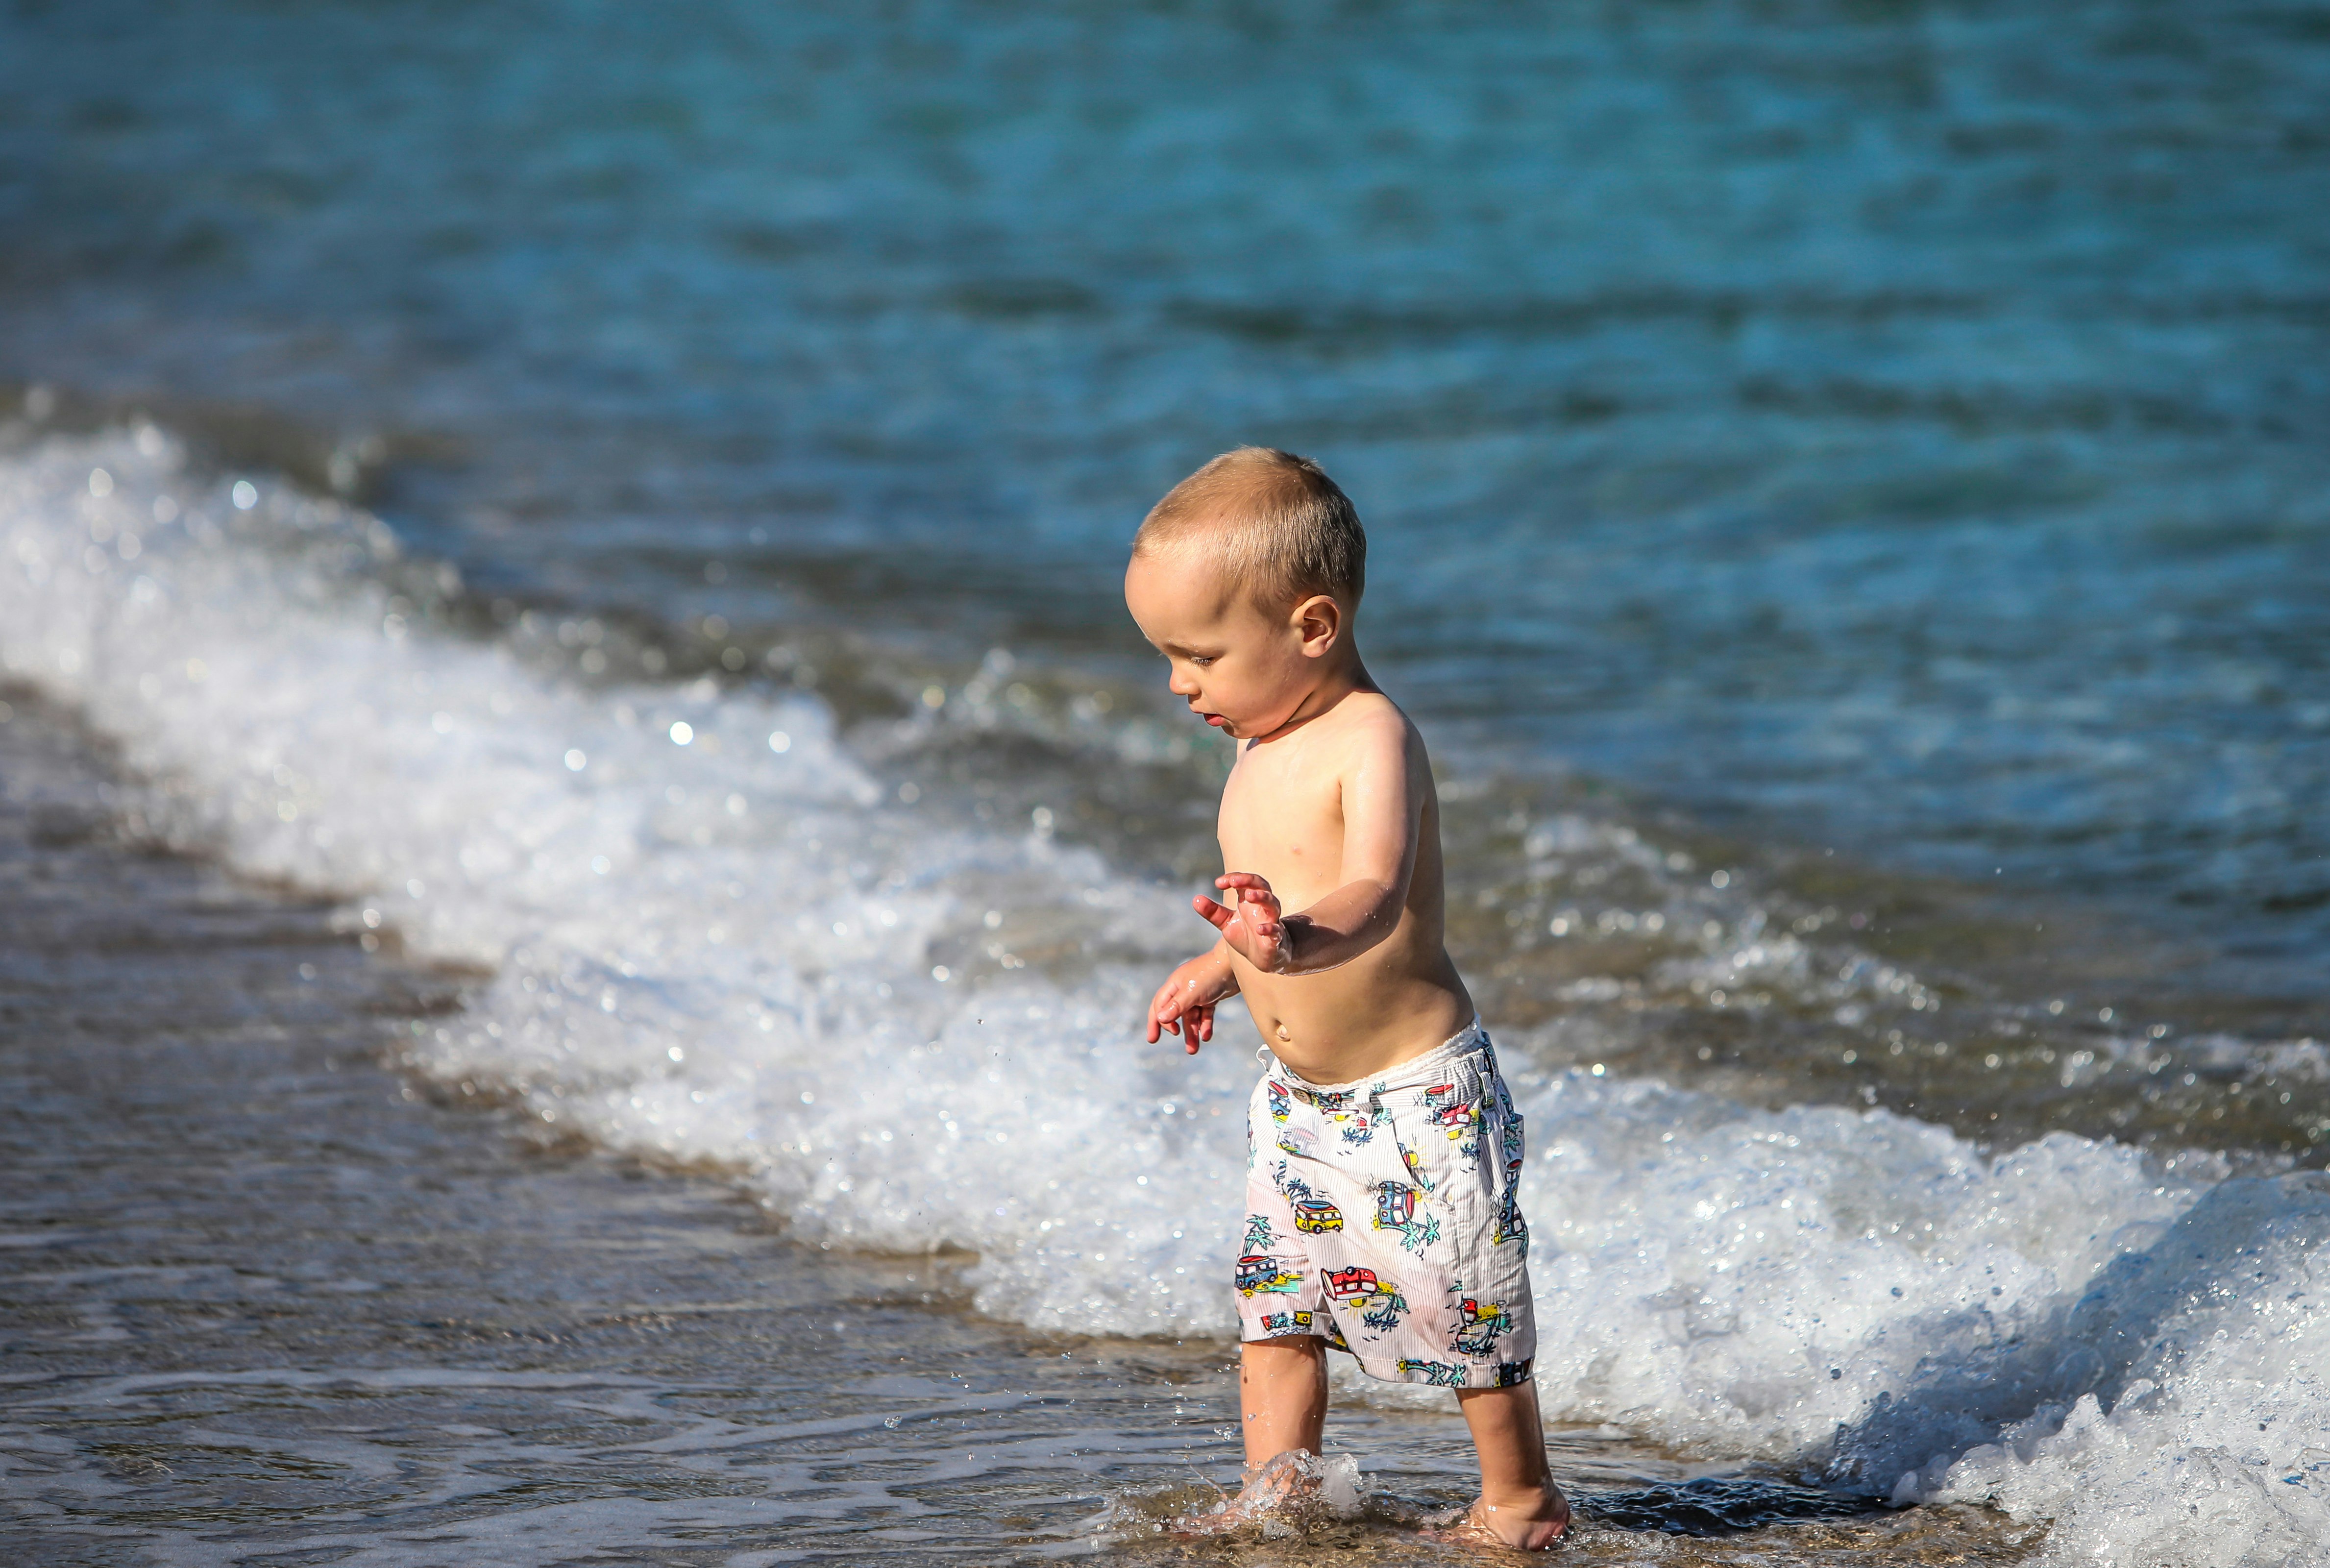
point(712, 934)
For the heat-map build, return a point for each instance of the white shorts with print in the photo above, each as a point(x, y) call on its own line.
point(1383, 1217)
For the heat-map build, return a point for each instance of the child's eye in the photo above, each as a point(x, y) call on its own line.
point(1201, 660)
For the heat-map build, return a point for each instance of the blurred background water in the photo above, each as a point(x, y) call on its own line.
point(1904, 423)
point(1847, 483)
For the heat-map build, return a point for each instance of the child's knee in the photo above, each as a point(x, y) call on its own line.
point(1308, 1346)
point(1518, 1396)
point(1291, 1352)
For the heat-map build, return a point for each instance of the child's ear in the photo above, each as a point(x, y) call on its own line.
point(1318, 621)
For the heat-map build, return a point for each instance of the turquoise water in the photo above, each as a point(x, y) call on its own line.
point(1900, 424)
point(623, 511)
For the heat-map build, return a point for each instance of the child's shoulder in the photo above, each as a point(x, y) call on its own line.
point(1369, 724)
point(1372, 712)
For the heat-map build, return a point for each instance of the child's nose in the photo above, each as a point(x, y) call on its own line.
point(1182, 683)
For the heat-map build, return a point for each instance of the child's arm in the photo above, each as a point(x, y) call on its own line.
point(1383, 809)
point(1184, 1004)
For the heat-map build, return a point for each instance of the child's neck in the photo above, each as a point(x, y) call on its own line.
point(1348, 676)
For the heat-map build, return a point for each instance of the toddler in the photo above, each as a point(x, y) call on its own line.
point(1382, 1152)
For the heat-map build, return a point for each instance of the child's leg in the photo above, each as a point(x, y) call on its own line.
point(1519, 1502)
point(1282, 1396)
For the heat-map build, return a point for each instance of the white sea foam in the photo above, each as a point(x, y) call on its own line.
point(722, 951)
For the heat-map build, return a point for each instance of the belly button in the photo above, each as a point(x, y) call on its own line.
point(1282, 1035)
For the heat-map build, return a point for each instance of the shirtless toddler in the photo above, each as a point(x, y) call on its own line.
point(1382, 1151)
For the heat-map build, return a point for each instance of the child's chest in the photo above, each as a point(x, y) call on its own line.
point(1282, 820)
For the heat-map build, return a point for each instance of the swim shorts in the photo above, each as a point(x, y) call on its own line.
point(1384, 1217)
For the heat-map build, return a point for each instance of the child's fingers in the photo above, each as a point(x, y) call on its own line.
point(1220, 915)
point(1164, 1009)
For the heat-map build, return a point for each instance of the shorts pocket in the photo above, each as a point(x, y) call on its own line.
point(1383, 1159)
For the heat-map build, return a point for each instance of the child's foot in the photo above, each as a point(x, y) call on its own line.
point(1273, 1491)
point(1530, 1526)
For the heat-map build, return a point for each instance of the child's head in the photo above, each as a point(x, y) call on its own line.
point(1247, 576)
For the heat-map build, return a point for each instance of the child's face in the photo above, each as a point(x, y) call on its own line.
point(1240, 668)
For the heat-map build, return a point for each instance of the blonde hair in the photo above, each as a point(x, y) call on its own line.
point(1278, 524)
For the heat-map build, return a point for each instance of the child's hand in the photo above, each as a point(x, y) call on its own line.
point(1252, 921)
point(1184, 1004)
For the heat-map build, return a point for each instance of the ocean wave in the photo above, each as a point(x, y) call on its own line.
point(707, 931)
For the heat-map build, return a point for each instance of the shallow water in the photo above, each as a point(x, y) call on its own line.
point(269, 1304)
point(1845, 1297)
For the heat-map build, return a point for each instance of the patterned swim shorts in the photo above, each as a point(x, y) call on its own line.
point(1383, 1217)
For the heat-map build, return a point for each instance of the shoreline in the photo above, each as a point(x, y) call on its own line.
point(271, 1299)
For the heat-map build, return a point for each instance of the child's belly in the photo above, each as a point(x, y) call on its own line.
point(1375, 1011)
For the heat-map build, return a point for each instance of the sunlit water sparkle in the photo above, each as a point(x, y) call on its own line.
point(1878, 775)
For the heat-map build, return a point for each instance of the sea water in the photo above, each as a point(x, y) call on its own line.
point(1897, 425)
point(629, 515)
point(704, 930)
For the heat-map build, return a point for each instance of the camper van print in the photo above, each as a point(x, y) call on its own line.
point(1295, 1138)
point(1313, 1215)
point(1260, 1274)
point(1380, 1305)
point(1482, 1324)
point(1312, 1212)
point(1295, 1322)
point(1396, 1212)
point(1458, 1117)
